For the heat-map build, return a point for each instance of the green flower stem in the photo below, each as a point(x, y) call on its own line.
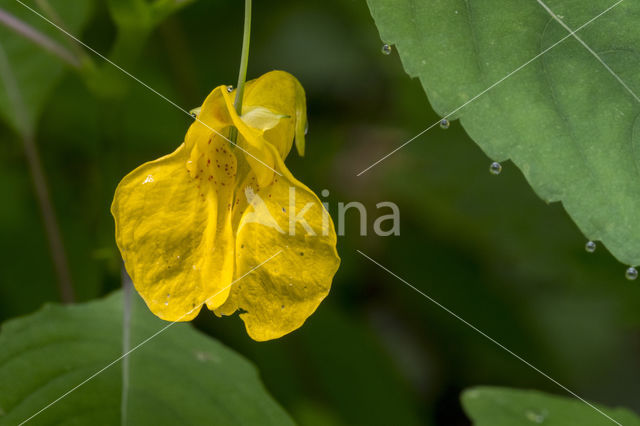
point(244, 60)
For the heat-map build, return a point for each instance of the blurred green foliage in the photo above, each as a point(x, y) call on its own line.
point(374, 352)
point(27, 74)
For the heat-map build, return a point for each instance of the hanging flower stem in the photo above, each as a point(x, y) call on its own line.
point(244, 60)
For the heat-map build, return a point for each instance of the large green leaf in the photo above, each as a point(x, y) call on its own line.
point(27, 71)
point(564, 119)
point(179, 377)
point(489, 406)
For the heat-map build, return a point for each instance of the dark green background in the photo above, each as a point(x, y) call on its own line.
point(375, 352)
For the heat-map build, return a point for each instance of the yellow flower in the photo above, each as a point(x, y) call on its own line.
point(192, 226)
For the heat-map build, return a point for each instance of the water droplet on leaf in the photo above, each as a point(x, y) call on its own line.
point(444, 123)
point(536, 416)
point(386, 49)
point(590, 247)
point(495, 168)
point(632, 273)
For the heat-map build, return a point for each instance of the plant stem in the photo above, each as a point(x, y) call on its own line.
point(51, 13)
point(126, 343)
point(242, 74)
point(25, 129)
point(50, 221)
point(244, 57)
point(38, 38)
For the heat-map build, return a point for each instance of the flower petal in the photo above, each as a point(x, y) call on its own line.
point(283, 94)
point(280, 295)
point(257, 150)
point(261, 118)
point(176, 242)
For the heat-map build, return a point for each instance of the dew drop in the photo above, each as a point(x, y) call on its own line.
point(536, 416)
point(229, 89)
point(306, 128)
point(495, 168)
point(632, 273)
point(444, 124)
point(590, 247)
point(386, 49)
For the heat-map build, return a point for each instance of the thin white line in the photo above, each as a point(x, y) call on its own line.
point(449, 311)
point(143, 342)
point(487, 89)
point(604, 64)
point(146, 85)
point(127, 289)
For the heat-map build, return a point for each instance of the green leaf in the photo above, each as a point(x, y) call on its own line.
point(492, 406)
point(27, 71)
point(180, 376)
point(564, 119)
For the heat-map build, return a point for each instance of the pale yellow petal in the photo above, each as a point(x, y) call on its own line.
point(261, 118)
